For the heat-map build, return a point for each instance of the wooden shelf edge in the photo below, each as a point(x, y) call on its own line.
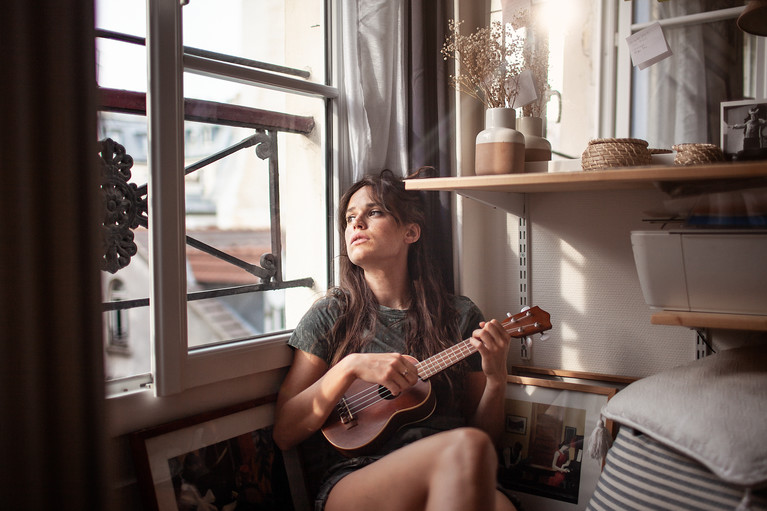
point(609, 179)
point(711, 320)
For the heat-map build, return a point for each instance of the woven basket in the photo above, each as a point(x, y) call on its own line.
point(696, 154)
point(605, 153)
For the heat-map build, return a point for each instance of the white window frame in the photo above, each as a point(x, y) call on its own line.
point(623, 66)
point(175, 369)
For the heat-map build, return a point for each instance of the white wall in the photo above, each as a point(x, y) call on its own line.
point(580, 258)
point(583, 274)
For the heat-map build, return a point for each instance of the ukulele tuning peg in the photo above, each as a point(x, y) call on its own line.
point(544, 337)
point(508, 314)
point(525, 308)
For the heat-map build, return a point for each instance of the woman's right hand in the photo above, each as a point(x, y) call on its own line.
point(311, 390)
point(394, 371)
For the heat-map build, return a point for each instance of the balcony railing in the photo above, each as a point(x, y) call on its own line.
point(126, 203)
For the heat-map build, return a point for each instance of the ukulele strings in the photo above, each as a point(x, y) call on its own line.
point(366, 398)
point(372, 394)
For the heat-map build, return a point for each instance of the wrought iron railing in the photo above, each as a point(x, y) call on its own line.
point(126, 205)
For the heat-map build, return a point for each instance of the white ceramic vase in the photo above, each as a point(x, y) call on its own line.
point(537, 148)
point(500, 148)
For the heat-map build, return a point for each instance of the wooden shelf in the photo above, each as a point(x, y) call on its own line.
point(610, 179)
point(710, 320)
point(507, 192)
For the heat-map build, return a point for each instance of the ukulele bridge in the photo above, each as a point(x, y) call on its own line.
point(347, 418)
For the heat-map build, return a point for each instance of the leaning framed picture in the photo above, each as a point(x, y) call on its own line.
point(566, 375)
point(743, 134)
point(222, 460)
point(546, 463)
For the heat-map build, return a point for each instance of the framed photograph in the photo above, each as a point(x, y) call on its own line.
point(546, 464)
point(565, 375)
point(744, 129)
point(224, 460)
point(516, 424)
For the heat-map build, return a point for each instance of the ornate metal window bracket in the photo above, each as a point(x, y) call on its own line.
point(124, 207)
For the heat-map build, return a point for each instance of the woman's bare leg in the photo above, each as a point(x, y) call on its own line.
point(454, 470)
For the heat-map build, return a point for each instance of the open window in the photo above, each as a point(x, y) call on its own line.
point(214, 126)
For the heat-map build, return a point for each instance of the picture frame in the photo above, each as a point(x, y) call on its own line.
point(548, 466)
point(516, 424)
point(739, 119)
point(566, 375)
point(222, 459)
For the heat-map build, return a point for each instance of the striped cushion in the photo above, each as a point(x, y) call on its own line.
point(712, 409)
point(641, 474)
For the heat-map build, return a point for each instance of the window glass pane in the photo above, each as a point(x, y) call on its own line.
point(121, 65)
point(229, 208)
point(224, 91)
point(128, 353)
point(289, 33)
point(125, 16)
point(653, 10)
point(678, 99)
point(567, 28)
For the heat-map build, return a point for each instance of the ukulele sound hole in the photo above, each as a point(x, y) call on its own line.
point(385, 393)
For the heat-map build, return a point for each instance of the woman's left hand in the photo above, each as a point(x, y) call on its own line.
point(492, 342)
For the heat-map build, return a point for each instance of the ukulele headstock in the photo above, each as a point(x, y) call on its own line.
point(528, 322)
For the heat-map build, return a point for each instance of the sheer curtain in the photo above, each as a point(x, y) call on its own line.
point(396, 97)
point(397, 108)
point(374, 59)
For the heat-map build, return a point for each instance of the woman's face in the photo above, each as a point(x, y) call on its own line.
point(373, 237)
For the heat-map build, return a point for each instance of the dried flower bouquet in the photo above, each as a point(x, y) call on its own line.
point(536, 57)
point(491, 60)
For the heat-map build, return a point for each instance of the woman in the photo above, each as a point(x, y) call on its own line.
point(391, 301)
point(560, 464)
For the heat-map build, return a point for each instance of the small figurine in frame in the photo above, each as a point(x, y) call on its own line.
point(744, 130)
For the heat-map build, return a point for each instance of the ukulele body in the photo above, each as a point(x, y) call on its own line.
point(363, 431)
point(367, 414)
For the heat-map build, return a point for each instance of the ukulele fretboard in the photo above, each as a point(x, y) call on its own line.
point(441, 361)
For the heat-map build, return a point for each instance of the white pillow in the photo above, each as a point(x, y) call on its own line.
point(713, 410)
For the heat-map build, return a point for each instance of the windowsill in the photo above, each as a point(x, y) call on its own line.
point(230, 376)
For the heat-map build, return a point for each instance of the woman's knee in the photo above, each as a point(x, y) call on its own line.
point(469, 447)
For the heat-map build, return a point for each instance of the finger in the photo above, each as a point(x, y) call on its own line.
point(410, 372)
point(497, 329)
point(485, 339)
point(393, 388)
point(494, 336)
point(404, 380)
point(398, 380)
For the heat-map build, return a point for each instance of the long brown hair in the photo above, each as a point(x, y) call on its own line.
point(432, 323)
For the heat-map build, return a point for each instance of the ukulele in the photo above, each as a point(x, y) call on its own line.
point(368, 413)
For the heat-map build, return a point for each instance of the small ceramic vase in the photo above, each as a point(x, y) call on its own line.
point(537, 148)
point(500, 149)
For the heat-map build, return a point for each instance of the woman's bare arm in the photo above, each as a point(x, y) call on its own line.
point(306, 398)
point(488, 414)
point(487, 389)
point(311, 390)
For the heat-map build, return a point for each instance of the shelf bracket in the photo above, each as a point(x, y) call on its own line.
point(510, 202)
